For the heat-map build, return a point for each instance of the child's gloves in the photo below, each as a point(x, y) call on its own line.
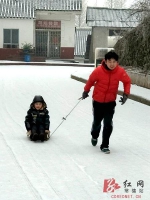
point(28, 133)
point(47, 134)
point(85, 95)
point(47, 131)
point(123, 99)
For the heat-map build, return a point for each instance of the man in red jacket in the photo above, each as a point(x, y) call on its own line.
point(105, 79)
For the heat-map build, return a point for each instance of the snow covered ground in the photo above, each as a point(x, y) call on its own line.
point(68, 167)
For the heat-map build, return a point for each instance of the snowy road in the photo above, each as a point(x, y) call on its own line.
point(68, 167)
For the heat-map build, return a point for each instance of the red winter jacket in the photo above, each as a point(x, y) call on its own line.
point(106, 83)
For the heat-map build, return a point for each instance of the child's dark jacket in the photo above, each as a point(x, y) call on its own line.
point(37, 117)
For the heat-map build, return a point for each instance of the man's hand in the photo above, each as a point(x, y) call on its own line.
point(123, 99)
point(85, 95)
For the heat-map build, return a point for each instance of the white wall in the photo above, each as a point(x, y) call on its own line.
point(68, 32)
point(100, 37)
point(99, 40)
point(25, 27)
point(112, 40)
point(67, 25)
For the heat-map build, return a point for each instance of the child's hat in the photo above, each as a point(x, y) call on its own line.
point(38, 98)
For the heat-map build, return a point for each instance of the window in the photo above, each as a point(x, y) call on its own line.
point(116, 32)
point(11, 38)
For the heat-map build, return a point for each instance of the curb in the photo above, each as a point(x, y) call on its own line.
point(49, 64)
point(120, 92)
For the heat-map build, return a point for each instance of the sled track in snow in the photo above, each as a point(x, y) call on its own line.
point(31, 187)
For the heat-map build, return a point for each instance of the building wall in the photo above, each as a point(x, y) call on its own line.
point(25, 27)
point(102, 39)
point(99, 39)
point(91, 53)
point(27, 30)
point(112, 40)
point(67, 29)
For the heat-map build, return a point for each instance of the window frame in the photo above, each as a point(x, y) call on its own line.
point(10, 45)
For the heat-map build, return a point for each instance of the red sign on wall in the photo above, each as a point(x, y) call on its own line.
point(48, 24)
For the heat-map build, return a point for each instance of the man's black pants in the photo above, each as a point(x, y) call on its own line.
point(105, 112)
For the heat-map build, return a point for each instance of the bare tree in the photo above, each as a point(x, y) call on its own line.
point(115, 3)
point(142, 8)
point(141, 4)
point(134, 48)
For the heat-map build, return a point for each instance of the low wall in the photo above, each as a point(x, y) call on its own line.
point(9, 54)
point(140, 79)
point(17, 55)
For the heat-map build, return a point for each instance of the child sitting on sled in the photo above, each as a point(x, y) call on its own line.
point(37, 120)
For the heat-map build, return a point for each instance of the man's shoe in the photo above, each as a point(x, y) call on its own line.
point(105, 150)
point(94, 141)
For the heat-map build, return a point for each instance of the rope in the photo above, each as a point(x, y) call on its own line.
point(64, 118)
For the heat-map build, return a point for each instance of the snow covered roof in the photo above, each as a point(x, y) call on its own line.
point(107, 17)
point(27, 8)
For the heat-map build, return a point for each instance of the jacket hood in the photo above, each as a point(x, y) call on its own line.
point(38, 98)
point(103, 62)
point(104, 65)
